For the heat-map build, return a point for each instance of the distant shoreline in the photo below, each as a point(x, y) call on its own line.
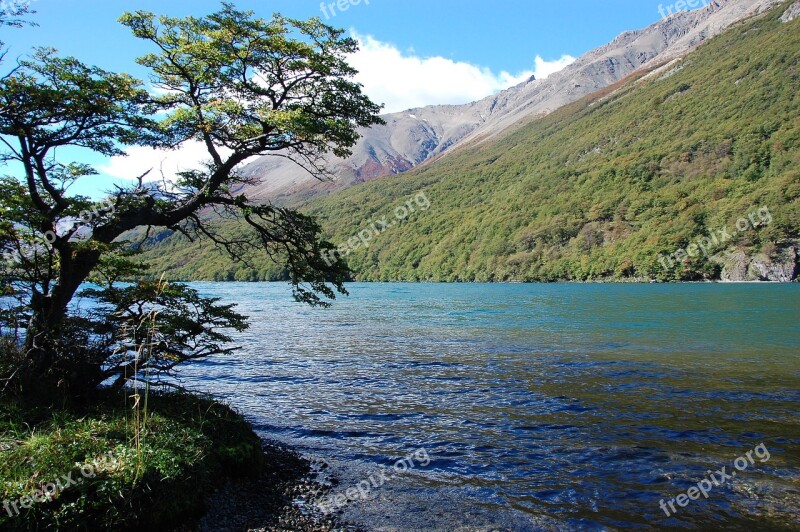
point(564, 282)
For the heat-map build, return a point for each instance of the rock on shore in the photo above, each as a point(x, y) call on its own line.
point(777, 265)
point(283, 499)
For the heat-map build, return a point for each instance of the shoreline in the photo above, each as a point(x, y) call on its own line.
point(282, 498)
point(563, 281)
point(191, 463)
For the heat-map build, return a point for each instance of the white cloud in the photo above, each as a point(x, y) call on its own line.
point(545, 68)
point(189, 156)
point(400, 80)
point(405, 81)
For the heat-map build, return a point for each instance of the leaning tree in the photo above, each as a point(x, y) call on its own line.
point(239, 85)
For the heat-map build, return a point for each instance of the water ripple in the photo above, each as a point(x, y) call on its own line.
point(543, 406)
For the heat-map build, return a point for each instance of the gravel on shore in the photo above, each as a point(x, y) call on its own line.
point(285, 498)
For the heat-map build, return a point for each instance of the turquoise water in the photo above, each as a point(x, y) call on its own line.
point(540, 406)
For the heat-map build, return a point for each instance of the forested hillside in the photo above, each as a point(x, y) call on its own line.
point(601, 189)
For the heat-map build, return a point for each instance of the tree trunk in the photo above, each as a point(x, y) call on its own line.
point(45, 342)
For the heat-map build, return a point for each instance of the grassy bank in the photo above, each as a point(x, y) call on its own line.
point(113, 466)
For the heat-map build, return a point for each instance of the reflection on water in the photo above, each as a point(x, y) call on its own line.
point(541, 406)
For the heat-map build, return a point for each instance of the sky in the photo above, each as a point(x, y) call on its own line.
point(413, 52)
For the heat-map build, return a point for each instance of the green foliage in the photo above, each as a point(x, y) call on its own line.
point(253, 84)
point(131, 331)
point(146, 329)
point(68, 103)
point(239, 85)
point(189, 446)
point(596, 190)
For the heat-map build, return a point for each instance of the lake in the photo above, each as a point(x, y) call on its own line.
point(530, 407)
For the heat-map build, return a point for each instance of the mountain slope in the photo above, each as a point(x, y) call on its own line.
point(419, 135)
point(600, 189)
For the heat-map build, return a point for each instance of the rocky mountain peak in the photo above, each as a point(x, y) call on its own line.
point(414, 137)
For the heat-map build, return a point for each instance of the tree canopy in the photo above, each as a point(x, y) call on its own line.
point(240, 85)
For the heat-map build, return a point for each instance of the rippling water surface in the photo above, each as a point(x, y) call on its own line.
point(540, 406)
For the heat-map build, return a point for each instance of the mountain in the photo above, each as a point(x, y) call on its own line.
point(684, 172)
point(417, 136)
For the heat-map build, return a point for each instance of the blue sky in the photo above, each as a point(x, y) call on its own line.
point(414, 52)
point(501, 34)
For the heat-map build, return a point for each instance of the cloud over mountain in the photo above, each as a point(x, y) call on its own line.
point(403, 80)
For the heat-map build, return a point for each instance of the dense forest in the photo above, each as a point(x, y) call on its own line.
point(603, 189)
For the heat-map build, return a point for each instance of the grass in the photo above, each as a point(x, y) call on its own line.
point(135, 475)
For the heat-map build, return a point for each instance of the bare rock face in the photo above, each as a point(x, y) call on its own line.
point(792, 13)
point(779, 265)
point(417, 136)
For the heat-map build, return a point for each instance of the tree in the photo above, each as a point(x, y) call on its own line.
point(13, 15)
point(240, 85)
